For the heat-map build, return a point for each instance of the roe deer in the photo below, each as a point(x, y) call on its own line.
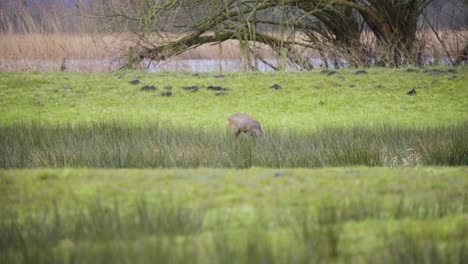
point(242, 123)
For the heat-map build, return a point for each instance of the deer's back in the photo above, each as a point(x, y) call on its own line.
point(245, 123)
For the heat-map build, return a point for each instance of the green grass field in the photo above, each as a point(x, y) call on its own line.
point(351, 168)
point(307, 100)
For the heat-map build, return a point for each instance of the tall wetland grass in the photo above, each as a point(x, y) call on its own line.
point(121, 145)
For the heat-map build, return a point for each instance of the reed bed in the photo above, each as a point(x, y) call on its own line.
point(121, 145)
point(42, 37)
point(93, 52)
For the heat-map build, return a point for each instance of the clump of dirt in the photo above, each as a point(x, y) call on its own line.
point(193, 88)
point(275, 86)
point(148, 88)
point(411, 92)
point(216, 88)
point(360, 72)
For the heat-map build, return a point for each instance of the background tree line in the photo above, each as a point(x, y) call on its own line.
point(362, 32)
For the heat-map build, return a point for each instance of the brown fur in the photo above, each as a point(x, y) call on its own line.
point(242, 123)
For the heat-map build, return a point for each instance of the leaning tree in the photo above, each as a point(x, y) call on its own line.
point(362, 31)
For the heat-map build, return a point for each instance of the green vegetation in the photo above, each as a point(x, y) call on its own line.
point(315, 119)
point(118, 145)
point(330, 215)
point(67, 122)
point(307, 100)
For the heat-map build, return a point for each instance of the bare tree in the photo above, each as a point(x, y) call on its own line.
point(362, 31)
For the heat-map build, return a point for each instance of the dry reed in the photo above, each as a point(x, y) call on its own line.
point(50, 44)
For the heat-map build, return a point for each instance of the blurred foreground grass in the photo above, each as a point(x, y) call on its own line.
point(332, 215)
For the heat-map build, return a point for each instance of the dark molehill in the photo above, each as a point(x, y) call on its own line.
point(216, 88)
point(434, 71)
point(352, 85)
point(360, 72)
point(190, 88)
point(220, 93)
point(411, 92)
point(166, 94)
point(412, 70)
point(275, 86)
point(148, 88)
point(136, 81)
point(328, 72)
point(279, 174)
point(168, 87)
point(380, 86)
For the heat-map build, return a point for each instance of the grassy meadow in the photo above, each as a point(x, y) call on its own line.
point(315, 119)
point(305, 101)
point(351, 169)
